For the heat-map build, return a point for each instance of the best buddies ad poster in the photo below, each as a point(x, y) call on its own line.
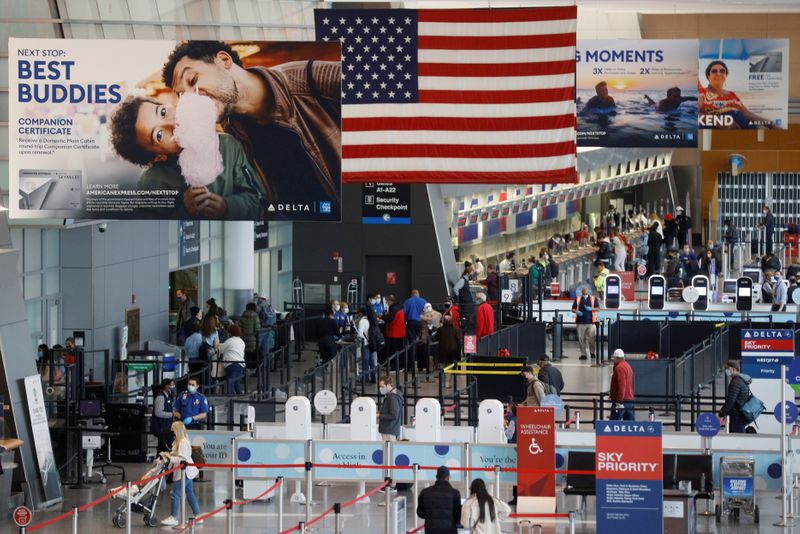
point(639, 93)
point(119, 129)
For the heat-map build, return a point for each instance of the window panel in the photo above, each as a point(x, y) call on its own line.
point(4, 177)
point(32, 249)
point(52, 248)
point(3, 72)
point(33, 310)
point(3, 101)
point(216, 248)
point(32, 286)
point(52, 281)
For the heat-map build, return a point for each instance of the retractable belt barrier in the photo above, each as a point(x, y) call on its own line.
point(228, 504)
point(453, 369)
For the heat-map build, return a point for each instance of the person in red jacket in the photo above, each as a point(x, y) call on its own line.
point(484, 317)
point(451, 310)
point(621, 389)
point(395, 320)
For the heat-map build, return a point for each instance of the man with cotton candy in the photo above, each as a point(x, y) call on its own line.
point(287, 117)
point(184, 153)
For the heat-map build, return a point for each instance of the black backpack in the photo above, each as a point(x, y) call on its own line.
point(376, 340)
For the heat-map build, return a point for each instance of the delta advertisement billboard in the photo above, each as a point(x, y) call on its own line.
point(744, 83)
point(122, 129)
point(637, 93)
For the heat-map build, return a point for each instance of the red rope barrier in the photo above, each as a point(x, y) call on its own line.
point(251, 466)
point(99, 500)
point(120, 489)
point(450, 408)
point(364, 496)
point(260, 495)
point(415, 530)
point(343, 506)
point(537, 515)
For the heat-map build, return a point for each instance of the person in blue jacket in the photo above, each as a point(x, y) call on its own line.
point(191, 406)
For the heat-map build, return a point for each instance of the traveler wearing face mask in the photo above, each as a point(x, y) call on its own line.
point(780, 293)
point(338, 315)
point(162, 418)
point(768, 224)
point(738, 393)
point(391, 415)
point(191, 406)
point(376, 301)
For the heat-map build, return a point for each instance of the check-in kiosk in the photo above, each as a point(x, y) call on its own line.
point(702, 285)
point(744, 293)
point(428, 420)
point(490, 422)
point(613, 291)
point(298, 426)
point(363, 427)
point(363, 414)
point(656, 292)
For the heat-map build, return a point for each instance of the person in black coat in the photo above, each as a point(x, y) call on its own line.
point(654, 242)
point(440, 505)
point(327, 331)
point(768, 224)
point(684, 226)
point(550, 376)
point(738, 393)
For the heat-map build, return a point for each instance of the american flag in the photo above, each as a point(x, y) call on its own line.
point(477, 95)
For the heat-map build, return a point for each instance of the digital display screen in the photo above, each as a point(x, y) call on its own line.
point(656, 290)
point(702, 291)
point(729, 287)
point(744, 292)
point(753, 274)
point(612, 290)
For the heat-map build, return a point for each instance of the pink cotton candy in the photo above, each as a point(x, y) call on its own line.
point(195, 132)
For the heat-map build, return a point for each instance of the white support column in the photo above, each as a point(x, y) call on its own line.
point(238, 265)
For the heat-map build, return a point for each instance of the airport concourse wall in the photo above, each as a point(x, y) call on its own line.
point(100, 274)
point(314, 246)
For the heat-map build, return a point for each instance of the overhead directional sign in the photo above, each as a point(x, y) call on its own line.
point(765, 350)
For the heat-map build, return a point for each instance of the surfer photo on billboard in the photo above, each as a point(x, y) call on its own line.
point(672, 102)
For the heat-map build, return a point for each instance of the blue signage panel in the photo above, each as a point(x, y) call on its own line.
point(737, 487)
point(491, 455)
point(789, 412)
point(707, 425)
point(425, 454)
point(348, 453)
point(629, 479)
point(261, 452)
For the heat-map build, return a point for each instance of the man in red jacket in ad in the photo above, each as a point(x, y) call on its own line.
point(484, 317)
point(621, 388)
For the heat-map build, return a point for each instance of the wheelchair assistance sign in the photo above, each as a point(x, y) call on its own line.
point(629, 477)
point(765, 350)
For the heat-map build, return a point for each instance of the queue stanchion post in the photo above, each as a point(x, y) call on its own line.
point(388, 501)
point(231, 519)
point(337, 518)
point(415, 496)
point(496, 482)
point(302, 527)
point(191, 525)
point(229, 516)
point(128, 507)
point(280, 505)
point(309, 488)
point(466, 478)
point(183, 496)
point(75, 520)
point(572, 522)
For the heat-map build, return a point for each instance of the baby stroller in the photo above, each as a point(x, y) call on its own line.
point(144, 499)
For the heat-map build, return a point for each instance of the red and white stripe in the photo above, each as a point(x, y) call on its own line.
point(496, 104)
